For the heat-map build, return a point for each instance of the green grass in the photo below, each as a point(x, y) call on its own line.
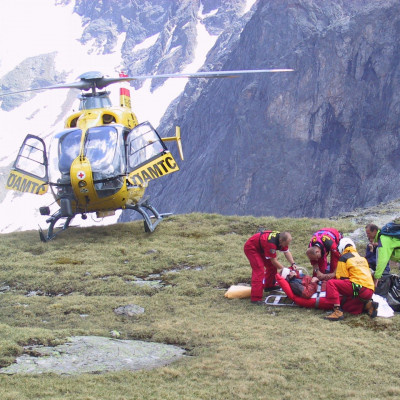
point(235, 350)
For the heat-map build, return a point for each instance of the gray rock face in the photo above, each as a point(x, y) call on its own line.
point(316, 142)
point(89, 354)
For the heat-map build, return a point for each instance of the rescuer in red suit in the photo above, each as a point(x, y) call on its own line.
point(353, 282)
point(322, 243)
point(261, 250)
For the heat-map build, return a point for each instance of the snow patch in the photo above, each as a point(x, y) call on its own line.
point(173, 87)
point(249, 4)
point(150, 41)
point(47, 28)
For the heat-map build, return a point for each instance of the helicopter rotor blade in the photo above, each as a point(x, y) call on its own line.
point(95, 80)
point(207, 74)
point(76, 85)
point(103, 82)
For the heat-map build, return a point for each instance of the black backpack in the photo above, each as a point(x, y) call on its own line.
point(389, 288)
point(393, 296)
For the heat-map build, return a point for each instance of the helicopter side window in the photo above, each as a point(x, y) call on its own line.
point(31, 158)
point(144, 144)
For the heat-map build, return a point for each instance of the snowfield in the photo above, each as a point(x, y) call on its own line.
point(47, 28)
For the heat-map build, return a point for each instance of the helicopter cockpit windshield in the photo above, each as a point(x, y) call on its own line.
point(105, 150)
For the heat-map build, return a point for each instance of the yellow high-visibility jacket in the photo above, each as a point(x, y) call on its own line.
point(354, 267)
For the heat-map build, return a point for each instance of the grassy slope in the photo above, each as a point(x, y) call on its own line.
point(236, 350)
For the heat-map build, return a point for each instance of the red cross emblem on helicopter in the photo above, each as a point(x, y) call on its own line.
point(81, 175)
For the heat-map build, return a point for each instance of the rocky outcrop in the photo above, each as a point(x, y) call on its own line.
point(34, 72)
point(171, 24)
point(94, 354)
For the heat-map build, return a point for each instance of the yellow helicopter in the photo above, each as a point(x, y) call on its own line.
point(104, 159)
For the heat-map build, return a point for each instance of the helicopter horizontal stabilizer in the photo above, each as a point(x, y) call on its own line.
point(177, 137)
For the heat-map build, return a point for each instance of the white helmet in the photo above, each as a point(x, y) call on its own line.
point(285, 272)
point(345, 242)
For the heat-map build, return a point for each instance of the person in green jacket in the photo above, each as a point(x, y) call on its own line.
point(388, 249)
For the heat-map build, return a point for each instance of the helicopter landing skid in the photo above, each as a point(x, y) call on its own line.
point(141, 208)
point(53, 220)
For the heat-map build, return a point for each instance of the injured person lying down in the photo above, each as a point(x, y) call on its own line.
point(304, 286)
point(313, 292)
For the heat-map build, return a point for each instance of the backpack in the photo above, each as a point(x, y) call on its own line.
point(389, 288)
point(393, 296)
point(391, 229)
point(384, 285)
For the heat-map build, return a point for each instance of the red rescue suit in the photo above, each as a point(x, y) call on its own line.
point(352, 270)
point(259, 249)
point(327, 240)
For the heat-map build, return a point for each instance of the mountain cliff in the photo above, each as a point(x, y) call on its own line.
point(316, 142)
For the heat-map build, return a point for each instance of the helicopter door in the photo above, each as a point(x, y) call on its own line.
point(29, 172)
point(147, 156)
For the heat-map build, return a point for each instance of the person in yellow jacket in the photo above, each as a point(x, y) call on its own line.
point(353, 282)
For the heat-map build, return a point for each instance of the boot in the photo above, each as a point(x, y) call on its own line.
point(371, 308)
point(337, 315)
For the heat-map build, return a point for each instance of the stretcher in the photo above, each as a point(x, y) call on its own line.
point(279, 300)
point(318, 300)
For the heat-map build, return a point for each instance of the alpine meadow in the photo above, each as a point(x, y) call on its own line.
point(233, 350)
